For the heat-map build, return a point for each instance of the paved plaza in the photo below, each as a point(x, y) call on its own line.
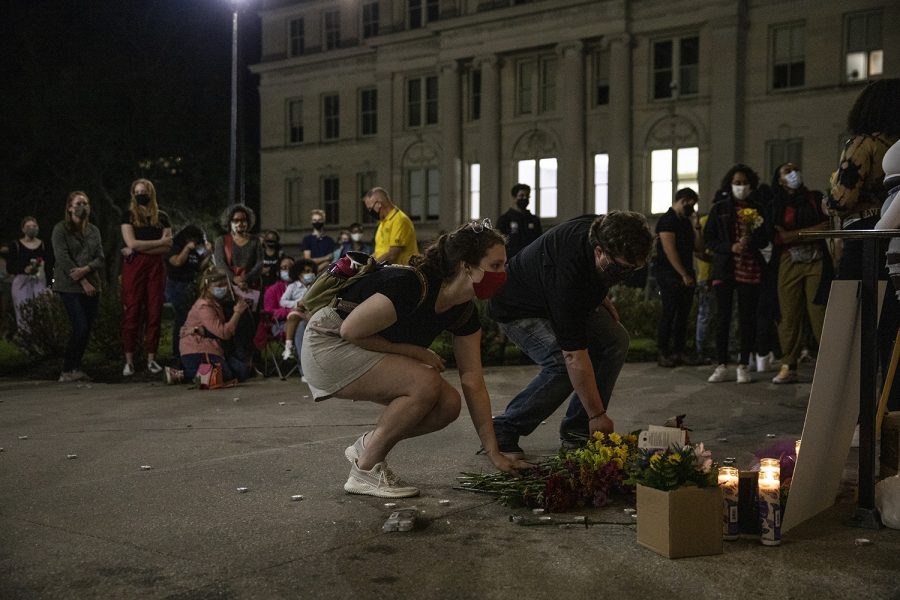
point(99, 526)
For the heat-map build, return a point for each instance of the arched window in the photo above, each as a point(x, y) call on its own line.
point(537, 166)
point(674, 161)
point(421, 183)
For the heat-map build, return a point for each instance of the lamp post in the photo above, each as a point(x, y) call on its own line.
point(232, 157)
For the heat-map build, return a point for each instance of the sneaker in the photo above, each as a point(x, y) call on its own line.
point(174, 376)
point(785, 375)
point(719, 375)
point(765, 363)
point(380, 481)
point(355, 450)
point(128, 371)
point(288, 351)
point(303, 379)
point(154, 367)
point(666, 361)
point(743, 374)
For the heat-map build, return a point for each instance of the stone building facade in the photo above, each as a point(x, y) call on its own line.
point(599, 104)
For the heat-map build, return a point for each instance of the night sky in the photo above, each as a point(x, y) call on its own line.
point(99, 92)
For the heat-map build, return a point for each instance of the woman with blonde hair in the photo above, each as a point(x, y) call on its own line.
point(147, 234)
point(78, 251)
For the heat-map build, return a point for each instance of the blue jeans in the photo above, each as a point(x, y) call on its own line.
point(607, 347)
point(82, 310)
point(178, 294)
point(298, 343)
point(232, 368)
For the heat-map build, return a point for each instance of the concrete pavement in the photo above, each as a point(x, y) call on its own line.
point(98, 526)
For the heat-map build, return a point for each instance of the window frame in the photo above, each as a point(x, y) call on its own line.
point(474, 82)
point(601, 186)
point(293, 48)
point(293, 202)
point(429, 172)
point(429, 12)
point(370, 23)
point(601, 78)
point(473, 192)
point(676, 67)
point(869, 13)
point(788, 27)
point(331, 204)
point(336, 117)
point(536, 92)
point(331, 32)
point(426, 107)
point(371, 114)
point(290, 126)
point(677, 181)
point(784, 147)
point(536, 204)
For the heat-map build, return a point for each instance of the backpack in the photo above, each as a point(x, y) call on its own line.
point(346, 271)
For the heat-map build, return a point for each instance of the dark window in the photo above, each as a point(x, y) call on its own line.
point(422, 12)
point(297, 37)
point(676, 67)
point(431, 100)
point(368, 112)
point(331, 109)
point(331, 199)
point(332, 29)
point(292, 210)
point(414, 102)
point(779, 152)
point(662, 69)
point(789, 63)
point(370, 19)
point(689, 66)
point(295, 121)
point(475, 94)
point(601, 78)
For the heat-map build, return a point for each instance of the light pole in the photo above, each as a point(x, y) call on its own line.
point(232, 157)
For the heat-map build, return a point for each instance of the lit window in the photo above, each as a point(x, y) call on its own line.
point(788, 60)
point(601, 184)
point(474, 190)
point(295, 121)
point(540, 175)
point(676, 67)
point(423, 192)
point(865, 54)
point(671, 170)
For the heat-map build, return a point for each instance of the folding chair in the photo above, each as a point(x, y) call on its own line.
point(272, 346)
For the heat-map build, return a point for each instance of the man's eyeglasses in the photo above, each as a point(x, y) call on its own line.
point(479, 226)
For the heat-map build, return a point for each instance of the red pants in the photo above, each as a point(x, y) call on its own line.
point(143, 288)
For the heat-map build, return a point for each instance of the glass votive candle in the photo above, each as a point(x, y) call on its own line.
point(729, 478)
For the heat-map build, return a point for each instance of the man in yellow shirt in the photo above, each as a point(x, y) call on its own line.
point(395, 239)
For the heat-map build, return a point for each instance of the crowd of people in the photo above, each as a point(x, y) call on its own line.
point(547, 291)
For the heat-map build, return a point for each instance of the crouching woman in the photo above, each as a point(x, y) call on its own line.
point(379, 352)
point(204, 331)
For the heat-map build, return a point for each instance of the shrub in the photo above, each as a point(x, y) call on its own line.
point(47, 327)
point(638, 312)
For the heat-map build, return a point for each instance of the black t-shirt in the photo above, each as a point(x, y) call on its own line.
point(418, 326)
point(147, 232)
point(520, 228)
point(554, 278)
point(272, 263)
point(684, 244)
point(188, 270)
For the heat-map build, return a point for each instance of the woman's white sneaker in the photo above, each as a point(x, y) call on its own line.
point(719, 375)
point(128, 371)
point(743, 374)
point(154, 367)
point(379, 481)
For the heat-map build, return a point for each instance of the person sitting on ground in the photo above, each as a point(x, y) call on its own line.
point(204, 331)
point(302, 276)
point(189, 256)
point(380, 353)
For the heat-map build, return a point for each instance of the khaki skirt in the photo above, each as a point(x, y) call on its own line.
point(330, 362)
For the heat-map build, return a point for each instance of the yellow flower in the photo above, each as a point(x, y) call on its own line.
point(674, 459)
point(615, 438)
point(655, 459)
point(598, 435)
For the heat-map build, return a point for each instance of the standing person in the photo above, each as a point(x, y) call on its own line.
point(395, 238)
point(803, 267)
point(379, 352)
point(705, 298)
point(518, 224)
point(317, 246)
point(272, 255)
point(147, 234)
point(29, 261)
point(78, 254)
point(204, 331)
point(189, 256)
point(678, 236)
point(556, 310)
point(890, 219)
point(239, 254)
point(735, 232)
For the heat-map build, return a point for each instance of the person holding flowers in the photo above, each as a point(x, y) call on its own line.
point(735, 232)
point(29, 263)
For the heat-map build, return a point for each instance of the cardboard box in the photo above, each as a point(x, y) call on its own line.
point(683, 522)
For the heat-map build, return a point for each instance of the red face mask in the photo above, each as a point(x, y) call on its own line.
point(489, 284)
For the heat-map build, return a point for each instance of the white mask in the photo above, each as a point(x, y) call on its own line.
point(740, 191)
point(285, 275)
point(308, 278)
point(356, 237)
point(793, 179)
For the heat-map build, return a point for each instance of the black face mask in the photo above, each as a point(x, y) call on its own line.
point(142, 199)
point(688, 210)
point(522, 204)
point(374, 214)
point(318, 226)
point(272, 244)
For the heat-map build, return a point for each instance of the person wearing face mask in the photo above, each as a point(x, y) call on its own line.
point(737, 265)
point(301, 275)
point(395, 238)
point(271, 257)
point(79, 260)
point(356, 242)
point(29, 262)
point(678, 237)
point(206, 327)
point(190, 254)
point(374, 346)
point(804, 267)
point(272, 321)
point(555, 308)
point(518, 224)
point(147, 234)
point(342, 245)
point(317, 246)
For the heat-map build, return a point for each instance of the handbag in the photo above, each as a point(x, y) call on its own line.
point(209, 376)
point(805, 253)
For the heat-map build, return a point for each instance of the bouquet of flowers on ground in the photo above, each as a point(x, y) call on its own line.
point(751, 218)
point(578, 478)
point(37, 268)
point(673, 468)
